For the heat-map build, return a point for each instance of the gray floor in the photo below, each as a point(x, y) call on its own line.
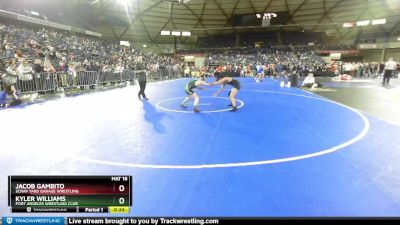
point(367, 95)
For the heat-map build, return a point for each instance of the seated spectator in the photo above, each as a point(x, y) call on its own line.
point(342, 77)
point(9, 97)
point(309, 82)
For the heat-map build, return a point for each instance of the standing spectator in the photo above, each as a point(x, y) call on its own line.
point(37, 66)
point(12, 70)
point(64, 65)
point(86, 65)
point(140, 71)
point(119, 68)
point(375, 70)
point(38, 78)
point(381, 69)
point(390, 67)
point(25, 75)
point(347, 68)
point(48, 67)
point(353, 72)
point(11, 77)
point(187, 71)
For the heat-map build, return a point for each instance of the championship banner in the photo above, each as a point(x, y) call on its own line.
point(266, 22)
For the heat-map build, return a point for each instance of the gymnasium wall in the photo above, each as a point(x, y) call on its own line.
point(393, 52)
point(375, 55)
point(372, 55)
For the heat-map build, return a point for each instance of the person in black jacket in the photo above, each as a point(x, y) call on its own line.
point(140, 71)
point(37, 66)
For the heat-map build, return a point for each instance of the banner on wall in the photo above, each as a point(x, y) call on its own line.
point(335, 56)
point(199, 61)
point(189, 58)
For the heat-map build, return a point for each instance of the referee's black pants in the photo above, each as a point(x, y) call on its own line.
point(142, 86)
point(386, 77)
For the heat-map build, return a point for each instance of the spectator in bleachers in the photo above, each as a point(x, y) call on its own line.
point(8, 51)
point(18, 54)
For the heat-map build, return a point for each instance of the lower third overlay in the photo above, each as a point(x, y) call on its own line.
point(176, 220)
point(106, 221)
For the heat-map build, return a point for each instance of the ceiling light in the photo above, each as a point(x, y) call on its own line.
point(363, 23)
point(34, 13)
point(348, 25)
point(165, 32)
point(176, 33)
point(123, 2)
point(379, 21)
point(186, 33)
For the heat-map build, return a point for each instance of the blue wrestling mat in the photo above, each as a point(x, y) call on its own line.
point(285, 152)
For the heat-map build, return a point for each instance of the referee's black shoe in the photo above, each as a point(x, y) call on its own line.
point(234, 109)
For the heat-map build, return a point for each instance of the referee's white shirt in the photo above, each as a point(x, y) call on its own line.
point(390, 65)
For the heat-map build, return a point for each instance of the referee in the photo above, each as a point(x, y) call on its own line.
point(140, 72)
point(390, 66)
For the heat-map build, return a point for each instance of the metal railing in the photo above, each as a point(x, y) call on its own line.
point(49, 83)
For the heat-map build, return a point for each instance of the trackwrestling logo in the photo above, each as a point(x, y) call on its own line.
point(33, 221)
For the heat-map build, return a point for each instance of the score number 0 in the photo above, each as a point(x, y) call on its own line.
point(121, 188)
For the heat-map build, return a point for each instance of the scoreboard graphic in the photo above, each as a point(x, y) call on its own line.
point(70, 194)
